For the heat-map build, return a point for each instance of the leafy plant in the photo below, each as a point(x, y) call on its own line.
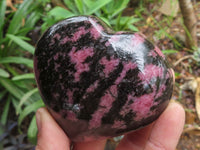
point(169, 51)
point(17, 84)
point(108, 10)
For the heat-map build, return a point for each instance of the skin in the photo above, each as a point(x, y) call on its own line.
point(162, 134)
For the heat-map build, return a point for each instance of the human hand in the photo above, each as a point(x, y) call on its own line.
point(163, 134)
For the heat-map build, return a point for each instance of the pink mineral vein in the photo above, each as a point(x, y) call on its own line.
point(70, 96)
point(109, 65)
point(65, 40)
point(104, 107)
point(119, 124)
point(77, 35)
point(96, 33)
point(142, 105)
point(127, 67)
point(152, 53)
point(96, 30)
point(78, 58)
point(159, 52)
point(55, 57)
point(56, 66)
point(114, 38)
point(92, 87)
point(151, 71)
point(161, 90)
point(126, 108)
point(57, 36)
point(113, 90)
point(137, 40)
point(107, 43)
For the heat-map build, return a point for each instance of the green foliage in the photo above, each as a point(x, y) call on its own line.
point(2, 16)
point(29, 109)
point(17, 60)
point(28, 12)
point(169, 51)
point(20, 42)
point(23, 77)
point(4, 115)
point(4, 73)
point(15, 52)
point(108, 10)
point(32, 131)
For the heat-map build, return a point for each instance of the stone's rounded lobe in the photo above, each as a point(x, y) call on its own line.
point(97, 83)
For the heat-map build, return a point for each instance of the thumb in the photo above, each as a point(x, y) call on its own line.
point(50, 135)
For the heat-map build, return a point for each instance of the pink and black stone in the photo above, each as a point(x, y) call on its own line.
point(98, 83)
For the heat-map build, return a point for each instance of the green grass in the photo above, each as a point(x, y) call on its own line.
point(18, 87)
point(108, 10)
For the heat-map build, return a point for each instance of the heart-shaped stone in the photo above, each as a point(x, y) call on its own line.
point(97, 83)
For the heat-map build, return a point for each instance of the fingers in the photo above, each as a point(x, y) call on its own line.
point(93, 145)
point(135, 140)
point(167, 129)
point(50, 135)
point(163, 134)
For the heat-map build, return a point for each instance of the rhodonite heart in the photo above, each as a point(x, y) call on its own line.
point(97, 83)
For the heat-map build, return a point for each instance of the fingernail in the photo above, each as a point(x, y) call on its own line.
point(38, 119)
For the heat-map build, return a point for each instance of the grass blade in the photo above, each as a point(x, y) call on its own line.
point(169, 51)
point(10, 87)
point(29, 109)
point(15, 102)
point(2, 94)
point(4, 115)
point(2, 16)
point(25, 98)
point(133, 28)
point(60, 13)
point(4, 73)
point(32, 19)
point(32, 131)
point(88, 3)
point(22, 12)
point(79, 5)
point(71, 5)
point(24, 76)
point(97, 5)
point(17, 60)
point(123, 4)
point(26, 46)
